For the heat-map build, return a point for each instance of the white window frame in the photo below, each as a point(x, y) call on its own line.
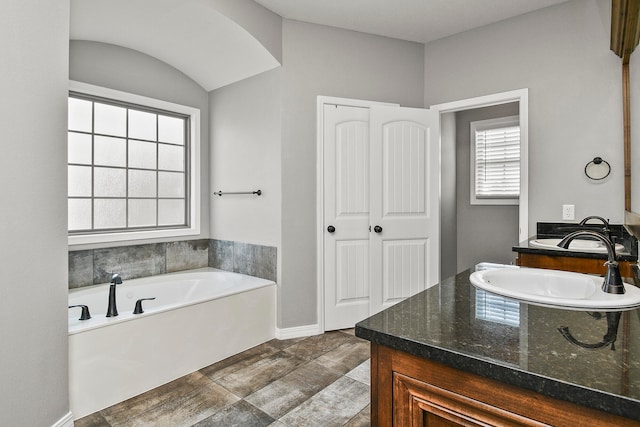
point(484, 125)
point(194, 168)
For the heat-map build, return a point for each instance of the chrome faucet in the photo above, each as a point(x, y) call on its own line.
point(606, 229)
point(612, 281)
point(112, 309)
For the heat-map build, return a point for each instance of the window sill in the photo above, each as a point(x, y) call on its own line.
point(494, 202)
point(131, 236)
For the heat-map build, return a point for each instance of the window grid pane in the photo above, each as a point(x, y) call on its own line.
point(138, 162)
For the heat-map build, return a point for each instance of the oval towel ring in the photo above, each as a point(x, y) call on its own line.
point(597, 169)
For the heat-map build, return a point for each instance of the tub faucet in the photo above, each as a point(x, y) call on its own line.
point(112, 309)
point(612, 281)
point(84, 315)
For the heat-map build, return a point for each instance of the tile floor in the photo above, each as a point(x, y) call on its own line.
point(315, 381)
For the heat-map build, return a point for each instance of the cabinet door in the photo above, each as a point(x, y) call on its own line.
point(419, 403)
point(408, 390)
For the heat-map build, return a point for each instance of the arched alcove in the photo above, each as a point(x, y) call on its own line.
point(190, 35)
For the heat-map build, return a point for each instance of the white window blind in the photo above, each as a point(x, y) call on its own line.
point(495, 159)
point(497, 309)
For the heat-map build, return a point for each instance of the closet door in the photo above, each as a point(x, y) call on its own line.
point(346, 215)
point(404, 203)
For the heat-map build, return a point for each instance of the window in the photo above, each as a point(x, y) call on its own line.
point(495, 161)
point(132, 168)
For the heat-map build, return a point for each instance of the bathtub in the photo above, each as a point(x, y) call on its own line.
point(198, 317)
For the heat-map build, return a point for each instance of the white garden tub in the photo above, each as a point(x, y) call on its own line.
point(198, 317)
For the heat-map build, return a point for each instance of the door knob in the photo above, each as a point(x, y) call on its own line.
point(331, 229)
point(377, 229)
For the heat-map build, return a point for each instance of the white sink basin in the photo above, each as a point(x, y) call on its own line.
point(579, 245)
point(555, 288)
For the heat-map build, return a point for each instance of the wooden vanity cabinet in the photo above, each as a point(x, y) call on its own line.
point(575, 264)
point(407, 390)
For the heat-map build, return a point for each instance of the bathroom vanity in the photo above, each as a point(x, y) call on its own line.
point(455, 355)
point(531, 255)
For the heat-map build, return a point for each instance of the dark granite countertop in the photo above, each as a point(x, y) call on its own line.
point(550, 230)
point(517, 343)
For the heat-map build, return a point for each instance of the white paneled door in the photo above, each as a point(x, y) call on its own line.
point(381, 208)
point(404, 208)
point(346, 214)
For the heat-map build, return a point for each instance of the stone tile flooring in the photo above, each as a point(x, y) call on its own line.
point(315, 381)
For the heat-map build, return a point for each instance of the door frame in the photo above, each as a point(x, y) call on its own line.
point(521, 96)
point(320, 103)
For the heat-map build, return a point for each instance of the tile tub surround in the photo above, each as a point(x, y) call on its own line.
point(243, 258)
point(318, 380)
point(95, 266)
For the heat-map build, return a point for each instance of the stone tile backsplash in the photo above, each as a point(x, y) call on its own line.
point(80, 268)
point(221, 254)
point(244, 258)
point(187, 255)
point(95, 266)
point(254, 260)
point(129, 261)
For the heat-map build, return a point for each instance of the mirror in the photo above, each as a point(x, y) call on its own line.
point(625, 34)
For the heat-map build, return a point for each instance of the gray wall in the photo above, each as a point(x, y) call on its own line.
point(319, 60)
point(33, 217)
point(448, 208)
point(562, 55)
point(485, 233)
point(119, 68)
point(263, 24)
point(245, 156)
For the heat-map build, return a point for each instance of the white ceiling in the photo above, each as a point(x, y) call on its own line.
point(414, 20)
point(214, 51)
point(190, 35)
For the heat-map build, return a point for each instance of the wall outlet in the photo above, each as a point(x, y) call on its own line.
point(568, 212)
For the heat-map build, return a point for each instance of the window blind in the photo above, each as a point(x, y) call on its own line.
point(494, 308)
point(497, 162)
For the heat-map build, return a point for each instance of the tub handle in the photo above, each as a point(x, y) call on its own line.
point(84, 315)
point(138, 309)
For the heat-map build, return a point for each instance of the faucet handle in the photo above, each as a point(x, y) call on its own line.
point(116, 279)
point(138, 309)
point(84, 315)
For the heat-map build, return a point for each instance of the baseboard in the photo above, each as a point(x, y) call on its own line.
point(298, 332)
point(66, 421)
